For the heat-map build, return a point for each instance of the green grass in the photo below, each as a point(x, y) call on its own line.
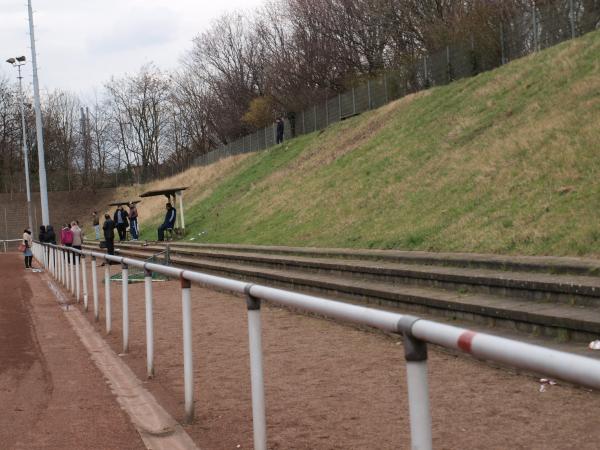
point(505, 162)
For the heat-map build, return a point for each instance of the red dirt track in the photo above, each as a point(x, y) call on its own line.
point(51, 394)
point(328, 385)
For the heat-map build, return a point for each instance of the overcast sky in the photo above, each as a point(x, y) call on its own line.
point(81, 43)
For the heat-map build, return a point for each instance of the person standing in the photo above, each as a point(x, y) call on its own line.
point(280, 129)
point(78, 236)
point(96, 222)
point(133, 222)
point(109, 234)
point(66, 236)
point(28, 243)
point(120, 219)
point(168, 223)
point(42, 234)
point(50, 235)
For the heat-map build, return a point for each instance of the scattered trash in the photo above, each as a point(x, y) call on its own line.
point(192, 239)
point(594, 345)
point(37, 270)
point(546, 382)
point(238, 446)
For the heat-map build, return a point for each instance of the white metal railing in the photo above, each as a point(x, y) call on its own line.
point(6, 241)
point(64, 266)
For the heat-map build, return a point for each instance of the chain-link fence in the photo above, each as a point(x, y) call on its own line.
point(534, 30)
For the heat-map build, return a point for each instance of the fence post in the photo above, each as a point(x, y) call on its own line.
point(369, 94)
point(326, 112)
point(534, 24)
point(315, 114)
point(340, 106)
point(125, 291)
point(502, 54)
point(95, 289)
point(84, 279)
point(107, 302)
point(188, 363)
point(572, 18)
point(448, 66)
point(149, 324)
point(415, 354)
point(385, 87)
point(256, 371)
point(303, 124)
point(353, 101)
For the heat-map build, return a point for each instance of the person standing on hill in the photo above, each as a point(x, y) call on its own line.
point(96, 223)
point(120, 219)
point(169, 222)
point(109, 234)
point(133, 222)
point(28, 243)
point(279, 129)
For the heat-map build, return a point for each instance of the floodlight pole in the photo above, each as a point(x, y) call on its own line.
point(18, 62)
point(38, 123)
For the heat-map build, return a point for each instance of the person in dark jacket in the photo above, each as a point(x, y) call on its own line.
point(279, 131)
point(133, 222)
point(121, 222)
point(42, 234)
point(109, 234)
point(169, 222)
point(50, 235)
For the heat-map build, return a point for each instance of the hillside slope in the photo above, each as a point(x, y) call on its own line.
point(505, 162)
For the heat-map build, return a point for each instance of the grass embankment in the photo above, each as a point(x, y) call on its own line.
point(505, 162)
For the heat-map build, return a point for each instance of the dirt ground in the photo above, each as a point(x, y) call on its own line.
point(51, 394)
point(333, 386)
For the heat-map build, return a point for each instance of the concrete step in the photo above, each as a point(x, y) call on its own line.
point(545, 264)
point(568, 289)
point(562, 321)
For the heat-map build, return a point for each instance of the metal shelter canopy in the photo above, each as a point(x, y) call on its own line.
point(171, 192)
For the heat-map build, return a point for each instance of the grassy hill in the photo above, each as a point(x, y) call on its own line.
point(505, 162)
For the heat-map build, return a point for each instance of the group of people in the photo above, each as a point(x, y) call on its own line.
point(121, 221)
point(71, 235)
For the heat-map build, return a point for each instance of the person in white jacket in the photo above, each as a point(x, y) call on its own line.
point(27, 253)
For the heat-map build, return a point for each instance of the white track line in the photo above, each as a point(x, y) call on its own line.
point(157, 428)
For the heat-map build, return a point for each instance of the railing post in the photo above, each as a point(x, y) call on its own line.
point(188, 363)
point(60, 261)
point(65, 270)
point(259, 422)
point(125, 290)
point(95, 289)
point(84, 282)
point(71, 272)
point(77, 288)
point(149, 324)
point(107, 304)
point(415, 354)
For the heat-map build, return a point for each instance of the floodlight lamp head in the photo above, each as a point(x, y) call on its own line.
point(11, 60)
point(21, 58)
